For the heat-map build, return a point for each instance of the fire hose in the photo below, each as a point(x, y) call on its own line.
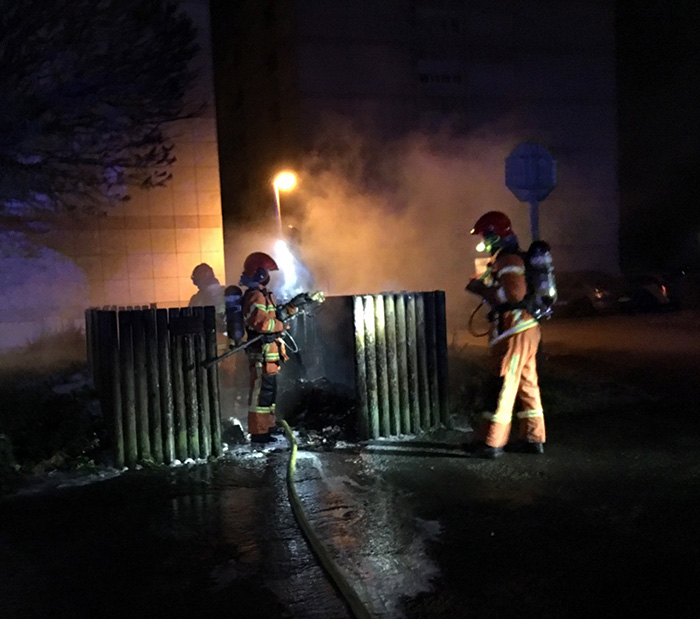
point(314, 300)
point(359, 610)
point(470, 324)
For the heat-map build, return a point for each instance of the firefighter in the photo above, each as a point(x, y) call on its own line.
point(265, 355)
point(514, 336)
point(209, 292)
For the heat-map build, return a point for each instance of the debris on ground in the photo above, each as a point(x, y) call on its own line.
point(322, 412)
point(232, 431)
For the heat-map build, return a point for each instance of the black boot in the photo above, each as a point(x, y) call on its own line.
point(527, 447)
point(482, 450)
point(262, 438)
point(276, 429)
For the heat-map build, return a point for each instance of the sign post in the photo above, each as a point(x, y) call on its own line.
point(531, 174)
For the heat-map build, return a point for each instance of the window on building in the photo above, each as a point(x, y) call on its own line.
point(440, 77)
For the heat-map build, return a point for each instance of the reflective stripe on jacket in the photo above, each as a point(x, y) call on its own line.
point(507, 272)
point(259, 316)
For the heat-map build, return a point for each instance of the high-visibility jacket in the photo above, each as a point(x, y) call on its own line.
point(259, 316)
point(507, 275)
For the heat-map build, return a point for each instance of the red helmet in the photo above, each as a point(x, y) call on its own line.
point(257, 266)
point(495, 222)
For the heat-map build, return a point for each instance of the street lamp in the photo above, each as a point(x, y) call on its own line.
point(284, 181)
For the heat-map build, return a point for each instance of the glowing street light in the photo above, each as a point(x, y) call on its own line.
point(284, 181)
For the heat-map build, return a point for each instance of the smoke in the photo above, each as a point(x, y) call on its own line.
point(400, 218)
point(384, 217)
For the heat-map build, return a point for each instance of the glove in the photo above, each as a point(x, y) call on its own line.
point(290, 308)
point(476, 286)
point(300, 300)
point(298, 303)
point(282, 312)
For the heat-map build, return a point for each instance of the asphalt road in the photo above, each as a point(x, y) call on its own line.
point(607, 523)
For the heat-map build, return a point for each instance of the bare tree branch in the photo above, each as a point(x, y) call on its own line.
point(87, 88)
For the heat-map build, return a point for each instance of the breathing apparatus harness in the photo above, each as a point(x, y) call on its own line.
point(541, 286)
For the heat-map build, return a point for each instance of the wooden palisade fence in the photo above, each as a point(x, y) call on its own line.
point(400, 363)
point(161, 404)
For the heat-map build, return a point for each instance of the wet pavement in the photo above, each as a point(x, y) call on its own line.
point(596, 527)
point(605, 524)
point(203, 541)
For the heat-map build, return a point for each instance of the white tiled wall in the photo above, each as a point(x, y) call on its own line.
point(143, 251)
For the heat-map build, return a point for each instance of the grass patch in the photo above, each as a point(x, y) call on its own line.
point(49, 419)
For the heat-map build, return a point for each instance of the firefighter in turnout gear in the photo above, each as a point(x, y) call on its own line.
point(514, 336)
point(265, 355)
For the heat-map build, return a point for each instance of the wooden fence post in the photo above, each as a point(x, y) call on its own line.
point(371, 360)
point(412, 355)
point(203, 401)
point(381, 360)
point(441, 351)
point(212, 377)
point(153, 381)
point(126, 367)
point(431, 359)
point(176, 359)
point(141, 384)
point(363, 424)
point(190, 381)
point(422, 389)
point(167, 402)
point(107, 341)
point(402, 363)
point(392, 364)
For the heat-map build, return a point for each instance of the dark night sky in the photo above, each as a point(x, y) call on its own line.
point(659, 83)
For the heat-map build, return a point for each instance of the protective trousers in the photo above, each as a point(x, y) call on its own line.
point(261, 398)
point(514, 368)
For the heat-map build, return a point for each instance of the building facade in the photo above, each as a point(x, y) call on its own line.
point(507, 71)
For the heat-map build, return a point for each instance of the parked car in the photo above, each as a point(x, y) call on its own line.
point(645, 292)
point(591, 293)
point(586, 293)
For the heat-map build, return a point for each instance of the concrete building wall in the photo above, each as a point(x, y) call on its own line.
point(515, 71)
point(142, 251)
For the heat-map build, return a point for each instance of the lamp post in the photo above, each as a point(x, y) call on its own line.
point(284, 181)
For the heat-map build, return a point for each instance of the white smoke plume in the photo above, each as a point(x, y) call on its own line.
point(398, 216)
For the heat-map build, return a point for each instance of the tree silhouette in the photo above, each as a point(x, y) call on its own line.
point(86, 90)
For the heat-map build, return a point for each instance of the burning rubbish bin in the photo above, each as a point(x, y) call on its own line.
point(385, 355)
